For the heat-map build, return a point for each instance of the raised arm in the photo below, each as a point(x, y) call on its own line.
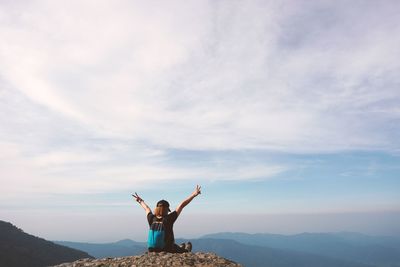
point(196, 192)
point(142, 203)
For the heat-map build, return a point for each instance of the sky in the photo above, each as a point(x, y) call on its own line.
point(287, 113)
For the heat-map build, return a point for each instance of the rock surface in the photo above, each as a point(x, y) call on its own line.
point(157, 259)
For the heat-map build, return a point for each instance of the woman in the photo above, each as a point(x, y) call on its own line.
point(161, 234)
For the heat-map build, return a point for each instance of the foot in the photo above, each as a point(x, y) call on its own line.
point(189, 246)
point(183, 245)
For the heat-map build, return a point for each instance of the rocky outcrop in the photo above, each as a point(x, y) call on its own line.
point(157, 259)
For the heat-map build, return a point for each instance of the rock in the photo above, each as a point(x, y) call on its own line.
point(148, 259)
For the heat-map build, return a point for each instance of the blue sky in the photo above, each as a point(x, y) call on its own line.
point(285, 110)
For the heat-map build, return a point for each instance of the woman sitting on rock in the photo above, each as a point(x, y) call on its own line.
point(161, 234)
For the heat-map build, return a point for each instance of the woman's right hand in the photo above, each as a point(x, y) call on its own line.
point(137, 198)
point(197, 191)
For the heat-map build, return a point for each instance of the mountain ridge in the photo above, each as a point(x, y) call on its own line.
point(375, 250)
point(341, 249)
point(252, 255)
point(345, 248)
point(21, 249)
point(121, 248)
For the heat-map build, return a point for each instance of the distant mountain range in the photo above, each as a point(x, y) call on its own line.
point(19, 249)
point(253, 250)
point(258, 256)
point(352, 247)
point(121, 248)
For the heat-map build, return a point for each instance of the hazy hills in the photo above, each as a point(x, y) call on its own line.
point(355, 247)
point(311, 250)
point(20, 249)
point(116, 249)
point(247, 255)
point(253, 250)
point(258, 256)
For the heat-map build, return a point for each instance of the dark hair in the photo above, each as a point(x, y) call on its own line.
point(160, 211)
point(163, 203)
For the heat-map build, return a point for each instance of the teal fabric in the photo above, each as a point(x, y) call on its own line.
point(156, 238)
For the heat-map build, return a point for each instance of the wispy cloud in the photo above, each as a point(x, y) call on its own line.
point(287, 76)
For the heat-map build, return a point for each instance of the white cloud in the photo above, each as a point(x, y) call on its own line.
point(65, 157)
point(86, 172)
point(208, 76)
point(194, 76)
